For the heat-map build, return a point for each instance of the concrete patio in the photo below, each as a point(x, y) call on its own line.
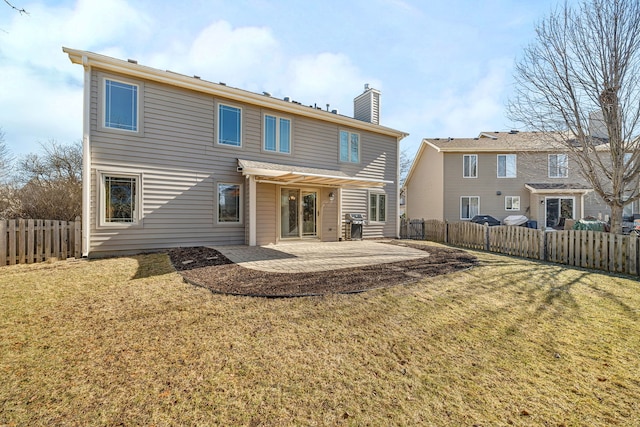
point(311, 256)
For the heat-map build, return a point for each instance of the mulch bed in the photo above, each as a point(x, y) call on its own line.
point(210, 269)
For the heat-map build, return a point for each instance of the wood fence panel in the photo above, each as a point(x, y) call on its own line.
point(4, 241)
point(580, 248)
point(12, 243)
point(64, 240)
point(22, 241)
point(77, 238)
point(30, 241)
point(633, 256)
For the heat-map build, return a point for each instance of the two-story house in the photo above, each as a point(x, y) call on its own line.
point(173, 160)
point(499, 174)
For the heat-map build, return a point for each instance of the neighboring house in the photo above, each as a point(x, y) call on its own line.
point(172, 160)
point(499, 174)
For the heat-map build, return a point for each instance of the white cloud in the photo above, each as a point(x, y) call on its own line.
point(326, 78)
point(40, 92)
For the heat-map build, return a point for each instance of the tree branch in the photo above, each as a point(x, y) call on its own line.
point(21, 11)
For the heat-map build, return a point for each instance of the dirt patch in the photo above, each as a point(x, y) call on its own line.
point(210, 269)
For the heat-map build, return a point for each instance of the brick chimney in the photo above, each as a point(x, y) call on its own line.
point(366, 106)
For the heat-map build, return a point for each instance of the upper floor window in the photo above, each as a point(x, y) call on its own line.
point(120, 105)
point(377, 207)
point(349, 147)
point(507, 165)
point(470, 166)
point(558, 166)
point(229, 125)
point(277, 134)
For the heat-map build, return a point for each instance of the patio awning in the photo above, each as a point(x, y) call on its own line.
point(273, 173)
point(557, 188)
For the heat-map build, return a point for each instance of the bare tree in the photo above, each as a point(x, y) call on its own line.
point(50, 183)
point(20, 10)
point(6, 159)
point(585, 64)
point(405, 165)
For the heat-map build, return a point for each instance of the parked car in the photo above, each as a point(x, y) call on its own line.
point(485, 219)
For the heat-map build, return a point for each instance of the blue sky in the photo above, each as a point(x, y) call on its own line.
point(444, 67)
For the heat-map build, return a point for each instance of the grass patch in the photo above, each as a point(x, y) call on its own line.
point(125, 342)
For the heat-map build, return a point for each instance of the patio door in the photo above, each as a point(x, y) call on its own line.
point(298, 213)
point(309, 214)
point(558, 209)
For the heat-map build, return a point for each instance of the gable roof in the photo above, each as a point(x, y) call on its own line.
point(513, 141)
point(133, 69)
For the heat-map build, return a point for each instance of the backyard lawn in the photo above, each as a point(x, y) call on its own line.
point(125, 341)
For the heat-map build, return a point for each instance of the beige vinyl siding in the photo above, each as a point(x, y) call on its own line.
point(328, 229)
point(425, 194)
point(487, 184)
point(266, 220)
point(531, 168)
point(378, 160)
point(180, 165)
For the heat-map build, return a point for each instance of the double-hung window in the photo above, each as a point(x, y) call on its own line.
point(277, 134)
point(558, 166)
point(377, 207)
point(229, 203)
point(229, 125)
point(120, 201)
point(349, 147)
point(507, 164)
point(120, 105)
point(469, 206)
point(512, 203)
point(470, 166)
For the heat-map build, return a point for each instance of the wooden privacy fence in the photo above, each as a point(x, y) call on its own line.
point(25, 241)
point(581, 248)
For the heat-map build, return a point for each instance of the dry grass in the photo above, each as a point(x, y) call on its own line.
point(126, 342)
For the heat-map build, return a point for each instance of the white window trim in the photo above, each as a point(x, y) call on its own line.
point(460, 206)
point(477, 166)
point(574, 206)
point(100, 202)
point(240, 204)
point(498, 166)
point(386, 205)
point(217, 124)
point(264, 134)
point(349, 148)
point(102, 106)
point(549, 166)
point(512, 197)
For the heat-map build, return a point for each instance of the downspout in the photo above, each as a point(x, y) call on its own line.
point(86, 158)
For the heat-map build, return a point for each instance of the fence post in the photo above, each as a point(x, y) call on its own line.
point(446, 232)
point(486, 237)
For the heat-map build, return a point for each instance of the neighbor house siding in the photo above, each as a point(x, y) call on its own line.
point(425, 189)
